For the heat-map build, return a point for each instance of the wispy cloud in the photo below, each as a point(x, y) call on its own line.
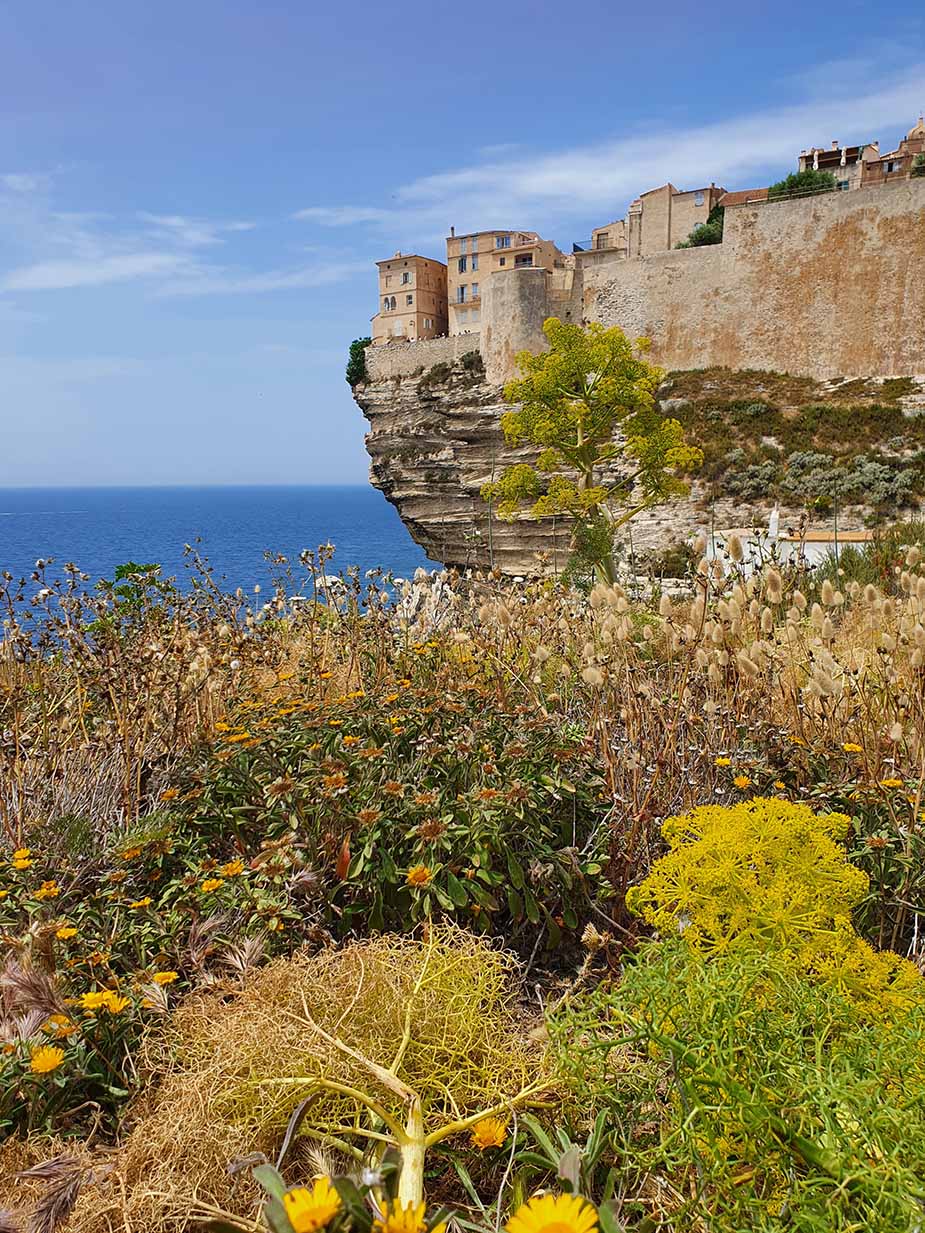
point(192, 232)
point(92, 272)
point(599, 179)
point(230, 282)
point(21, 182)
point(343, 216)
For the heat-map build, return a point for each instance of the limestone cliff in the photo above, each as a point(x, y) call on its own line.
point(432, 445)
point(435, 439)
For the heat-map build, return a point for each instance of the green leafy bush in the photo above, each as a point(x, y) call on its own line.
point(752, 1096)
point(356, 364)
point(800, 183)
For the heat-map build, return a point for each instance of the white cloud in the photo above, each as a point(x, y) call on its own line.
point(56, 275)
point(192, 232)
point(344, 216)
point(599, 179)
point(19, 182)
point(232, 282)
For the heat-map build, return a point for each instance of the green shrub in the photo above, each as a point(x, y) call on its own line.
point(439, 374)
point(918, 166)
point(748, 1096)
point(799, 183)
point(356, 364)
point(710, 232)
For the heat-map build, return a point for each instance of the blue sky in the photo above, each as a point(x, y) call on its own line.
point(192, 194)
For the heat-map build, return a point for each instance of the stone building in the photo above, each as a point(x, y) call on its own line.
point(663, 217)
point(412, 299)
point(472, 258)
point(861, 166)
point(897, 164)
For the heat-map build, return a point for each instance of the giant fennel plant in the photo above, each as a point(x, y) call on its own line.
point(607, 452)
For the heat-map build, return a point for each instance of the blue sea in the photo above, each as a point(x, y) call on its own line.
point(100, 528)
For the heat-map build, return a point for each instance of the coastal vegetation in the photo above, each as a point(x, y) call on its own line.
point(589, 404)
point(568, 910)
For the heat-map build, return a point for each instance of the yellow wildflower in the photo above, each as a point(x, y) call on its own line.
point(851, 747)
point(419, 875)
point(141, 903)
point(21, 862)
point(170, 794)
point(211, 884)
point(891, 783)
point(232, 868)
point(309, 1210)
point(65, 932)
point(21, 853)
point(742, 781)
point(398, 1219)
point(48, 890)
point(45, 1058)
point(548, 1213)
point(489, 1132)
point(92, 1001)
point(239, 736)
point(165, 978)
point(722, 762)
point(780, 785)
point(113, 1003)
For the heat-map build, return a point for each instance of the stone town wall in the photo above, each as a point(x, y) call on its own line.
point(827, 286)
point(405, 359)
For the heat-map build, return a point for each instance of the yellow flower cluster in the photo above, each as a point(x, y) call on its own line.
point(771, 874)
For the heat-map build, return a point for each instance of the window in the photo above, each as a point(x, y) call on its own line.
point(698, 197)
point(502, 241)
point(524, 259)
point(502, 261)
point(461, 294)
point(405, 278)
point(475, 262)
point(428, 323)
point(464, 244)
point(461, 264)
point(409, 299)
point(602, 240)
point(462, 315)
point(843, 184)
point(475, 315)
point(475, 291)
point(385, 304)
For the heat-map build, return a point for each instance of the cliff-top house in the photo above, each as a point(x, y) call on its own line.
point(412, 299)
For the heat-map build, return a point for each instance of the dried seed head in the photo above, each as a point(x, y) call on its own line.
point(735, 549)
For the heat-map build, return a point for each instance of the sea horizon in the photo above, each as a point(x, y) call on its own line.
point(98, 527)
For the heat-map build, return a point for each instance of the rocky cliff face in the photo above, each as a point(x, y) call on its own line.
point(435, 439)
point(432, 445)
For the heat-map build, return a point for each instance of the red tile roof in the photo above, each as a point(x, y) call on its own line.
point(744, 195)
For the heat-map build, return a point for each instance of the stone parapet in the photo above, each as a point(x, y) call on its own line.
point(406, 359)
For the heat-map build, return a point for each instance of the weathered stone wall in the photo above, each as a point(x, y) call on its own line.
point(514, 307)
point(405, 359)
point(829, 286)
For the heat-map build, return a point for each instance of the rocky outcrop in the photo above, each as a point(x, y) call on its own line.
point(432, 445)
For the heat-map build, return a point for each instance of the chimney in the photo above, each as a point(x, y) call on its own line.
point(834, 145)
point(452, 232)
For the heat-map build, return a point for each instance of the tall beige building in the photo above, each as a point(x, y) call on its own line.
point(470, 259)
point(412, 299)
point(662, 217)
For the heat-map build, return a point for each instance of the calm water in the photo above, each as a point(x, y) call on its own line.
point(99, 528)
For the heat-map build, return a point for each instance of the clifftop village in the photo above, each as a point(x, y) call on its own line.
point(421, 298)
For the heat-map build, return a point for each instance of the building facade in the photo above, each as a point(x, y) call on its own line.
point(412, 299)
point(663, 217)
point(470, 259)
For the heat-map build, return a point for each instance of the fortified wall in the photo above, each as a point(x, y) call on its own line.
point(827, 286)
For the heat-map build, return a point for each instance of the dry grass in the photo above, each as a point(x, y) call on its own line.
point(440, 1010)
